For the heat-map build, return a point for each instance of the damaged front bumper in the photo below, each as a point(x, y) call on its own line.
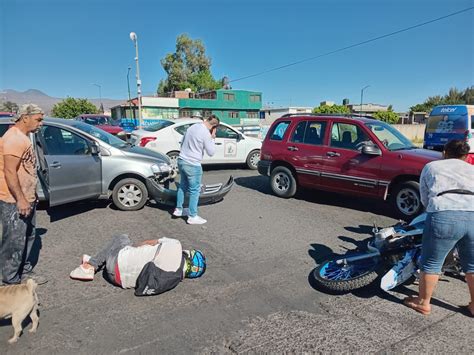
point(211, 193)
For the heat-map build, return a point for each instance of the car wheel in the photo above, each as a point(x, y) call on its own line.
point(173, 159)
point(129, 194)
point(406, 199)
point(282, 182)
point(253, 159)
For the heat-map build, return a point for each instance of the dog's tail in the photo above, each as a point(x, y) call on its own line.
point(31, 285)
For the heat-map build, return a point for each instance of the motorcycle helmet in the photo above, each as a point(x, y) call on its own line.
point(195, 263)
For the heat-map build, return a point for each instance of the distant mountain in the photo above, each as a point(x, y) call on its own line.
point(46, 102)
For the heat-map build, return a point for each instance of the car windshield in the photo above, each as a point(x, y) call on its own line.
point(100, 134)
point(390, 137)
point(159, 124)
point(96, 120)
point(447, 124)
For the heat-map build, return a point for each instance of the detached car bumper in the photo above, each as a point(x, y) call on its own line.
point(211, 193)
point(263, 167)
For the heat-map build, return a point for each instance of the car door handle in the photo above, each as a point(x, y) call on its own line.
point(292, 148)
point(333, 154)
point(55, 164)
point(218, 143)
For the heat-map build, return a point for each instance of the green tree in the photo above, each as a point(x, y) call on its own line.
point(334, 109)
point(468, 96)
point(187, 67)
point(10, 106)
point(387, 116)
point(453, 97)
point(71, 107)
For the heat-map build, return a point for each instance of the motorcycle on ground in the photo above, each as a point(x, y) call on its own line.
point(393, 252)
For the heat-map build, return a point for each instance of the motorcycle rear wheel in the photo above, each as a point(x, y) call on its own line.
point(347, 277)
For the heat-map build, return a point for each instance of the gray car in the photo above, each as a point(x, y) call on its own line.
point(78, 161)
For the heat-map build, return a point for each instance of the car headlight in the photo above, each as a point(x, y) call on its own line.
point(161, 168)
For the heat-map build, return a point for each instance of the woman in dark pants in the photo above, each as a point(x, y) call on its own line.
point(447, 192)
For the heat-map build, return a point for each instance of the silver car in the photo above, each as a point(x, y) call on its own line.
point(77, 161)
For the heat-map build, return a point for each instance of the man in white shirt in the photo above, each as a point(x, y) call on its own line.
point(199, 139)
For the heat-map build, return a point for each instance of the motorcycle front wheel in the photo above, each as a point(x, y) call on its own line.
point(348, 276)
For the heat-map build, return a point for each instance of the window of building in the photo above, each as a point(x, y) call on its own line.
point(233, 114)
point(206, 113)
point(252, 114)
point(185, 113)
point(255, 98)
point(229, 96)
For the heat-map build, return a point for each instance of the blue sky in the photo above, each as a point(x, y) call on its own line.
point(62, 47)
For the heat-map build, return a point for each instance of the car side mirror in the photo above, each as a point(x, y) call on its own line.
point(95, 149)
point(370, 149)
point(239, 137)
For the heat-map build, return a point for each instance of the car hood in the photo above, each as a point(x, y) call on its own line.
point(421, 155)
point(145, 153)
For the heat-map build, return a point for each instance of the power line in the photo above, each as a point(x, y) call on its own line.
point(354, 45)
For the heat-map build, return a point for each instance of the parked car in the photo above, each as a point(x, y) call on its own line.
point(165, 136)
point(6, 114)
point(77, 161)
point(103, 122)
point(349, 155)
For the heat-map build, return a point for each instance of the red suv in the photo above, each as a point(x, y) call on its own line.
point(353, 155)
point(103, 122)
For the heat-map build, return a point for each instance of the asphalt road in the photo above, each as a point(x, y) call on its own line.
point(257, 293)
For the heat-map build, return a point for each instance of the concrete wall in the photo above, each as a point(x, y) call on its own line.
point(411, 131)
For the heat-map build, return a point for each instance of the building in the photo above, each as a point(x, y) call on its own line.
point(234, 107)
point(152, 108)
point(367, 109)
point(270, 114)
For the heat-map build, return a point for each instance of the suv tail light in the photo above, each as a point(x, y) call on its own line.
point(145, 140)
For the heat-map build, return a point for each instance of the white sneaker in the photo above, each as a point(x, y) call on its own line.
point(196, 220)
point(85, 258)
point(81, 273)
point(178, 212)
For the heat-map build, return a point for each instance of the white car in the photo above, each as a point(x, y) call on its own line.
point(165, 136)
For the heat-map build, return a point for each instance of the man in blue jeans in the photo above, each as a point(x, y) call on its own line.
point(199, 139)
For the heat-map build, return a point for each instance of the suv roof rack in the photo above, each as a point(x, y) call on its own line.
point(348, 115)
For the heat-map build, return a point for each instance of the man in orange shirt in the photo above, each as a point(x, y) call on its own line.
point(18, 198)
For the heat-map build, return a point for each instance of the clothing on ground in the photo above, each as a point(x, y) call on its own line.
point(167, 255)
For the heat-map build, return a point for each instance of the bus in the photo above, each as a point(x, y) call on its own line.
point(447, 122)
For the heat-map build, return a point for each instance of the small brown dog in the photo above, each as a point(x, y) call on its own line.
point(17, 302)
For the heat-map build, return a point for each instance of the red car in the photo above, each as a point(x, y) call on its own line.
point(103, 122)
point(353, 155)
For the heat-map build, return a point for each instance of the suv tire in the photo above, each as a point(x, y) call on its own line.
point(252, 159)
point(129, 194)
point(406, 199)
point(283, 182)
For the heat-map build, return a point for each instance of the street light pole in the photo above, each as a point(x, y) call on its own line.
point(129, 98)
point(100, 97)
point(362, 97)
point(134, 38)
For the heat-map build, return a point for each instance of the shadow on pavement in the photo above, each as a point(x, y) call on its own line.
point(37, 246)
point(261, 184)
point(58, 213)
